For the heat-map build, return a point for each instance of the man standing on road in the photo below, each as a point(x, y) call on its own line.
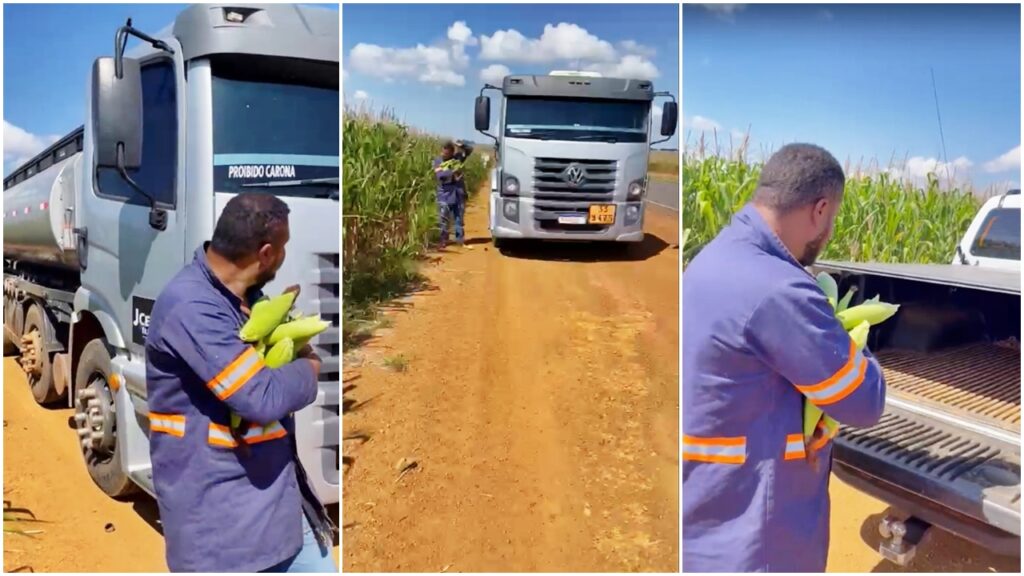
point(758, 337)
point(448, 172)
point(462, 152)
point(240, 502)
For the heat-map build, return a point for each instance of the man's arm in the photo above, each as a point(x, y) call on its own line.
point(205, 339)
point(441, 171)
point(796, 333)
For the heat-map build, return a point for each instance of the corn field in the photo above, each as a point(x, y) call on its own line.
point(882, 218)
point(390, 212)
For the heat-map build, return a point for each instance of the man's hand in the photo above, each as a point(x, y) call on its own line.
point(310, 354)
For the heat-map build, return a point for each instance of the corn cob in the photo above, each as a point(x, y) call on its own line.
point(281, 353)
point(873, 313)
point(303, 328)
point(828, 285)
point(266, 315)
point(812, 413)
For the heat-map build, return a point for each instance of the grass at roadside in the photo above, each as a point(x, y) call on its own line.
point(390, 212)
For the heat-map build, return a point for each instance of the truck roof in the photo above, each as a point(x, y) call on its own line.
point(295, 31)
point(572, 86)
point(988, 279)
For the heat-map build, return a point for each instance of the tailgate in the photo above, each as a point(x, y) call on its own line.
point(958, 470)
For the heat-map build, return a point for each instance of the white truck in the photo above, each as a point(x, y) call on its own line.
point(946, 452)
point(572, 153)
point(231, 98)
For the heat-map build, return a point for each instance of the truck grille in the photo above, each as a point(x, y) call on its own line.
point(327, 301)
point(551, 181)
point(979, 381)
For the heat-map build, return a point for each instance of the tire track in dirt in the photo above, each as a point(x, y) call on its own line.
point(539, 399)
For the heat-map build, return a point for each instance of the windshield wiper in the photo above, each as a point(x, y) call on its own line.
point(599, 137)
point(336, 182)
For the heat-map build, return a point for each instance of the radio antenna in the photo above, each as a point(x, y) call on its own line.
point(942, 137)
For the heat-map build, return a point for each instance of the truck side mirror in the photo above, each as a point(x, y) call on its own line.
point(117, 114)
point(669, 118)
point(482, 113)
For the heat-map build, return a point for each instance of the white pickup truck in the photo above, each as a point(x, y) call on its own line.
point(946, 452)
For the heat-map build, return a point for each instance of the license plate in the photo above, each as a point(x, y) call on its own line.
point(572, 219)
point(602, 214)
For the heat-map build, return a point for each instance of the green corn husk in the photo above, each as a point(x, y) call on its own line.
point(859, 335)
point(303, 328)
point(872, 312)
point(266, 315)
point(828, 285)
point(281, 353)
point(845, 302)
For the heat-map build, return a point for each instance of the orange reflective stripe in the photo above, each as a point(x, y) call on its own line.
point(173, 424)
point(736, 441)
point(713, 458)
point(794, 447)
point(849, 389)
point(175, 417)
point(824, 384)
point(718, 450)
point(236, 374)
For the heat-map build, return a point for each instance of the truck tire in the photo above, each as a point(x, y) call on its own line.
point(40, 378)
point(100, 448)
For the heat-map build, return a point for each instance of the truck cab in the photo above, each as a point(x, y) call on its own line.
point(228, 99)
point(572, 153)
point(993, 238)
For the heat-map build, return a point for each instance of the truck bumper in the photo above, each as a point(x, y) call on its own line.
point(530, 221)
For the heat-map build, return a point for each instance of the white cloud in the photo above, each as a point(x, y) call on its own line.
point(21, 145)
point(631, 66)
point(634, 47)
point(1006, 162)
point(702, 124)
point(726, 12)
point(427, 64)
point(461, 34)
point(494, 74)
point(360, 95)
point(563, 41)
point(917, 169)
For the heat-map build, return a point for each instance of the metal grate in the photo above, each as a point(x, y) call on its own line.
point(552, 181)
point(981, 381)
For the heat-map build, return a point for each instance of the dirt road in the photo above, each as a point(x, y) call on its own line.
point(854, 540)
point(85, 530)
point(537, 395)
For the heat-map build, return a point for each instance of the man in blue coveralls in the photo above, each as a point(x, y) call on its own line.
point(231, 502)
point(448, 172)
point(759, 337)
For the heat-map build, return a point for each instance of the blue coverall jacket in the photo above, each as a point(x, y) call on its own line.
point(223, 510)
point(758, 337)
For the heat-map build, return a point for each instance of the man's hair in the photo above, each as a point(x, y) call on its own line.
point(798, 175)
point(449, 146)
point(249, 221)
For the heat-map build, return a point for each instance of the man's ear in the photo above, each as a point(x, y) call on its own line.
point(265, 252)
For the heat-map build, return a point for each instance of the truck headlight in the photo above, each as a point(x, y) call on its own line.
point(510, 208)
point(511, 185)
point(635, 190)
point(632, 214)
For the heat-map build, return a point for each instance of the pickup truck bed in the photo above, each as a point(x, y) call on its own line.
point(947, 449)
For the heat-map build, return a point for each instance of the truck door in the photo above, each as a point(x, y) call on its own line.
point(128, 262)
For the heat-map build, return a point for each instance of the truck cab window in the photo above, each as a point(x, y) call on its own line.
point(999, 235)
point(160, 142)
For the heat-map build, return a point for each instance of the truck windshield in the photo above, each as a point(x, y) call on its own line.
point(574, 119)
point(275, 126)
point(999, 235)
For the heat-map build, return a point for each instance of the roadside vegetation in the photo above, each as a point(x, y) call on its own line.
point(883, 218)
point(390, 214)
point(664, 165)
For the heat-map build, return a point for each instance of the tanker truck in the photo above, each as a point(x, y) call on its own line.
point(572, 153)
point(227, 100)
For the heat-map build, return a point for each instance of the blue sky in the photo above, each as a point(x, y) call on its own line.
point(855, 79)
point(425, 62)
point(48, 55)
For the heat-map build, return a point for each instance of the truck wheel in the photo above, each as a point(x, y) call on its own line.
point(35, 361)
point(96, 421)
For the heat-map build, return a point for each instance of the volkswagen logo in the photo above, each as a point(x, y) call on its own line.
point(574, 174)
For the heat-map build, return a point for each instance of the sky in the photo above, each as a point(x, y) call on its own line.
point(856, 79)
point(48, 54)
point(426, 63)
